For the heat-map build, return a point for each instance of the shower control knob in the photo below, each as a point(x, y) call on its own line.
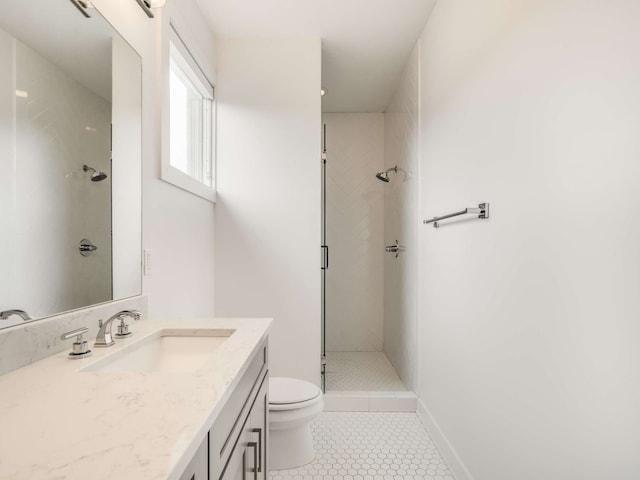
point(397, 248)
point(86, 247)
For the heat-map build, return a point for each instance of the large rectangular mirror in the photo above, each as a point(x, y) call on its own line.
point(70, 161)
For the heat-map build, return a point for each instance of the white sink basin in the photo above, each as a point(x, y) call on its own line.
point(168, 350)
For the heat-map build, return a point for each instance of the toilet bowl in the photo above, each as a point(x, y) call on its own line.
point(293, 403)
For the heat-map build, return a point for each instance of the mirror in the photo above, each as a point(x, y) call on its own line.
point(70, 161)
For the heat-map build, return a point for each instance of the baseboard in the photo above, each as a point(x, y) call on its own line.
point(456, 466)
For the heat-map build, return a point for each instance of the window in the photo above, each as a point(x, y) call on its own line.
point(188, 160)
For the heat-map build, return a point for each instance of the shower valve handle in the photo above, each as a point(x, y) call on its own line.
point(397, 248)
point(86, 247)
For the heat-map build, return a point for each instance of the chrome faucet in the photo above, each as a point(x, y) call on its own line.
point(104, 338)
point(21, 313)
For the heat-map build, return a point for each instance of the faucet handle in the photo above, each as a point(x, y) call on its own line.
point(80, 348)
point(123, 328)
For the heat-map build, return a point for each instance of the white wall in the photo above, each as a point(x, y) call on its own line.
point(401, 149)
point(355, 296)
point(529, 320)
point(268, 204)
point(177, 226)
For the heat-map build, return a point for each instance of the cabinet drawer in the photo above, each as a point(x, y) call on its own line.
point(228, 426)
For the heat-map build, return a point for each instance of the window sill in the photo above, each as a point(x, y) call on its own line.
point(181, 180)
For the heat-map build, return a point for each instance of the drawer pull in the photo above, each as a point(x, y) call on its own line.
point(259, 432)
point(254, 445)
point(244, 465)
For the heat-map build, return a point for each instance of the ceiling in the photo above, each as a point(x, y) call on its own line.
point(365, 43)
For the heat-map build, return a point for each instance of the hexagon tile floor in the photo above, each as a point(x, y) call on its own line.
point(370, 446)
point(361, 371)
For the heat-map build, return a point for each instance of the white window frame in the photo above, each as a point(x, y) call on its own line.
point(185, 60)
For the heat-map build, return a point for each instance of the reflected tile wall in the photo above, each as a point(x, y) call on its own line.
point(60, 125)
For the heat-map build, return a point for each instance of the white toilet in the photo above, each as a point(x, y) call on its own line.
point(293, 404)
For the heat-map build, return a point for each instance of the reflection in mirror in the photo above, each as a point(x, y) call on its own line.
point(70, 113)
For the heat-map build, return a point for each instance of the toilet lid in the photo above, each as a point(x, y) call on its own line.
point(284, 390)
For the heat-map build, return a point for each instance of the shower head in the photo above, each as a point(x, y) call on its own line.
point(383, 176)
point(95, 175)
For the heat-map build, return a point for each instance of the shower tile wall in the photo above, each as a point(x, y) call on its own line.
point(402, 223)
point(355, 146)
point(52, 112)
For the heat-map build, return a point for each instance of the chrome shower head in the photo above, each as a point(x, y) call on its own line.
point(383, 176)
point(98, 176)
point(95, 175)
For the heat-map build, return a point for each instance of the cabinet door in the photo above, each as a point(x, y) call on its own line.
point(240, 460)
point(249, 458)
point(198, 468)
point(237, 466)
point(259, 431)
point(233, 418)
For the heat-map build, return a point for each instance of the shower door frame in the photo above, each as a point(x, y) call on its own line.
point(325, 260)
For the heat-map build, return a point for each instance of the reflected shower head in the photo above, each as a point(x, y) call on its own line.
point(95, 175)
point(383, 176)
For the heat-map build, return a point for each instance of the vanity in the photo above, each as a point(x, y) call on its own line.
point(123, 413)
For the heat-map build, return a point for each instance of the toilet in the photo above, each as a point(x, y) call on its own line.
point(293, 403)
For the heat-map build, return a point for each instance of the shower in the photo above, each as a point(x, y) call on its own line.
point(353, 311)
point(95, 175)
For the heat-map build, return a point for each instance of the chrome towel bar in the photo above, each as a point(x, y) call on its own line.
point(482, 211)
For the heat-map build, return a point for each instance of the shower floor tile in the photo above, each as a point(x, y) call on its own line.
point(361, 371)
point(370, 446)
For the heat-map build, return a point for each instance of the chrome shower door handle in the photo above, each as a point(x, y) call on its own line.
point(325, 257)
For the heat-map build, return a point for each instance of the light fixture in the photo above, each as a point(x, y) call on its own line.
point(83, 6)
point(147, 5)
point(323, 91)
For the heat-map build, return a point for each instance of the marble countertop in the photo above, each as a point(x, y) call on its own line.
point(59, 422)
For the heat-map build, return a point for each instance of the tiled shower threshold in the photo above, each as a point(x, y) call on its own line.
point(365, 382)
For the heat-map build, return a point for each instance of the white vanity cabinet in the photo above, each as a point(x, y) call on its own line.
point(236, 447)
point(198, 468)
point(238, 439)
point(248, 460)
